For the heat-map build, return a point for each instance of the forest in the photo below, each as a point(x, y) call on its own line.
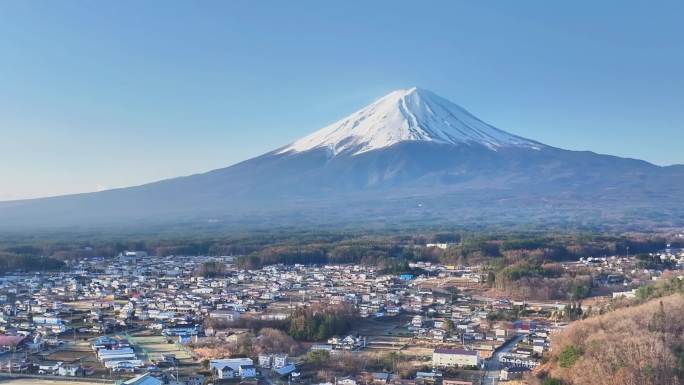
point(320, 322)
point(261, 248)
point(10, 262)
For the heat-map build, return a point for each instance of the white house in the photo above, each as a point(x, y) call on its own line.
point(226, 373)
point(46, 320)
point(442, 246)
point(226, 315)
point(444, 358)
point(279, 360)
point(68, 370)
point(265, 360)
point(233, 368)
point(247, 371)
point(346, 381)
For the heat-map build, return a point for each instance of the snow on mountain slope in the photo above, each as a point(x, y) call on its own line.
point(407, 115)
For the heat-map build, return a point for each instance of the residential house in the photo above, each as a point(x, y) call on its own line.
point(442, 358)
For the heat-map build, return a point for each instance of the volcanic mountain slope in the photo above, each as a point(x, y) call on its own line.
point(409, 154)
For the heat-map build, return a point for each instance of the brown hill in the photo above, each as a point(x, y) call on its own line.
point(641, 345)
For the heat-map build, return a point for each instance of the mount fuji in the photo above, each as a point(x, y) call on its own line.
point(409, 157)
point(405, 116)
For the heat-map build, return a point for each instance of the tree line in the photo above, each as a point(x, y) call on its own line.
point(316, 322)
point(320, 322)
point(10, 262)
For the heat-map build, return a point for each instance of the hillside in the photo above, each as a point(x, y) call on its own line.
point(641, 344)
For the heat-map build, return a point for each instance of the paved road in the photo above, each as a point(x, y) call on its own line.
point(493, 365)
point(43, 379)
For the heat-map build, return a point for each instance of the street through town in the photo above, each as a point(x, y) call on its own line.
point(493, 365)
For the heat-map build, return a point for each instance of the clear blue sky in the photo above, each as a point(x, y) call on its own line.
point(97, 94)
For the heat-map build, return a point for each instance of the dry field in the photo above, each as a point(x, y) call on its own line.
point(72, 352)
point(417, 351)
point(382, 327)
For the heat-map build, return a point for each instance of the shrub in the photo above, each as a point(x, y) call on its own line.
point(568, 356)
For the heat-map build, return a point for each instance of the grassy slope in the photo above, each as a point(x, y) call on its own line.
point(640, 344)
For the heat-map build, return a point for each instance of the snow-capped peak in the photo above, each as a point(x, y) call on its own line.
point(407, 115)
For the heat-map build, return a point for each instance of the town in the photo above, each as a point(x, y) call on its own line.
point(144, 319)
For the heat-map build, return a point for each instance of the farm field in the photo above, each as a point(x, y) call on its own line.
point(79, 351)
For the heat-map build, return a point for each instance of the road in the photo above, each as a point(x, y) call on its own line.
point(32, 379)
point(542, 304)
point(493, 365)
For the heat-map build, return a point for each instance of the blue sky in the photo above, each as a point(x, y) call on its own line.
point(97, 95)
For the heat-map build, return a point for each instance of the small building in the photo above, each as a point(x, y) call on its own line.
point(69, 370)
point(285, 370)
point(324, 347)
point(247, 371)
point(233, 367)
point(380, 377)
point(265, 360)
point(346, 381)
point(445, 358)
point(10, 342)
point(169, 358)
point(279, 360)
point(47, 319)
point(513, 373)
point(225, 315)
point(193, 379)
point(143, 379)
point(226, 373)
